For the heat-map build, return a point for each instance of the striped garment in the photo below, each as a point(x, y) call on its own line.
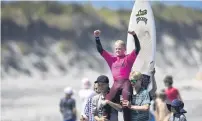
point(140, 99)
point(88, 110)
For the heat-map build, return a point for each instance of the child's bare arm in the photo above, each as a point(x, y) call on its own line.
point(179, 96)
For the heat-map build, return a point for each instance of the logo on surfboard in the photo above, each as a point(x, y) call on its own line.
point(141, 19)
point(141, 13)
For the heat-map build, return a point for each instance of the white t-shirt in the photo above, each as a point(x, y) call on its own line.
point(85, 94)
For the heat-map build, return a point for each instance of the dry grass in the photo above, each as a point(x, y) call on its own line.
point(59, 15)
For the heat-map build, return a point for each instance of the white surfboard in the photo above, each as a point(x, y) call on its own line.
point(142, 22)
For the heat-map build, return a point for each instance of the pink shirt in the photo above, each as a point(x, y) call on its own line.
point(120, 66)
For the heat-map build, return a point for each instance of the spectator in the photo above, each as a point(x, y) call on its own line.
point(68, 105)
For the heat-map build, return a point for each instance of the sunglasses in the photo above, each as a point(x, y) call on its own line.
point(133, 81)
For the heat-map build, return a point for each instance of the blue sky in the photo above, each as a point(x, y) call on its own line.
point(192, 4)
point(129, 3)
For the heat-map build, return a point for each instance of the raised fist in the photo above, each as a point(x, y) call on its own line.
point(97, 33)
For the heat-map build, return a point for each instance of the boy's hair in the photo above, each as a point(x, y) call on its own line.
point(121, 42)
point(162, 95)
point(135, 75)
point(168, 79)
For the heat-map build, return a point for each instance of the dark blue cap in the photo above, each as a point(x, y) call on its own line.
point(178, 104)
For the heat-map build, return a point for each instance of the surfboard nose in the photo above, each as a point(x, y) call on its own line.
point(142, 21)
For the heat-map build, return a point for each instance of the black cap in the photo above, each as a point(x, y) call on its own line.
point(103, 79)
